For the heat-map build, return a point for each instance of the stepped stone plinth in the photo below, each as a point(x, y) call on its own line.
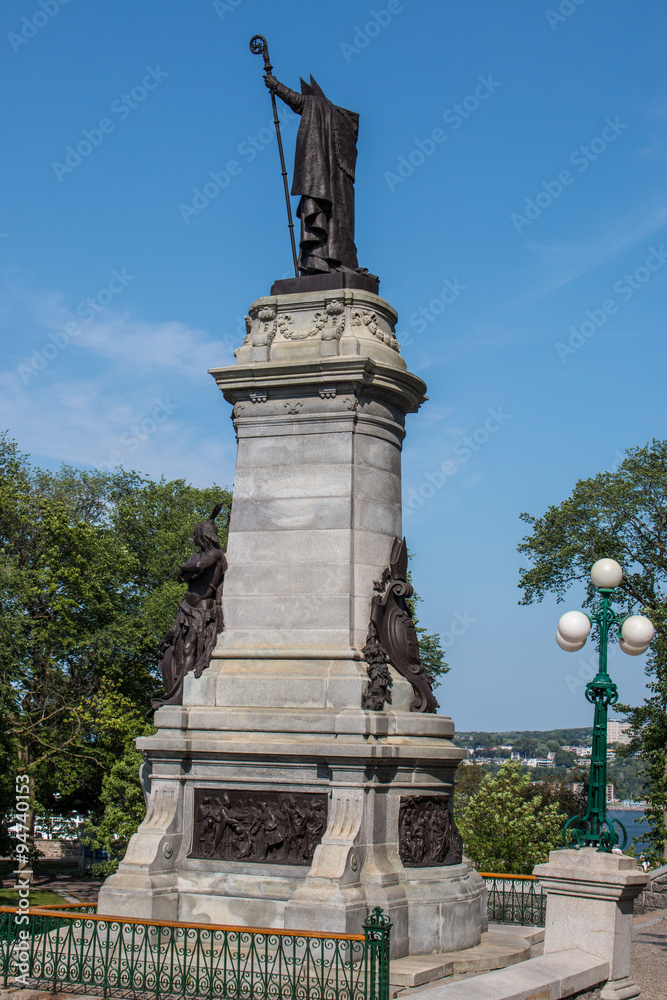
point(276, 799)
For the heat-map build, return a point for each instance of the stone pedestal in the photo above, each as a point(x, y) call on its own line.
point(589, 907)
point(319, 396)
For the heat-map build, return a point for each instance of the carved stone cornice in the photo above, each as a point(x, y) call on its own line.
point(374, 378)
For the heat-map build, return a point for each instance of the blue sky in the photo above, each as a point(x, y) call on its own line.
point(523, 247)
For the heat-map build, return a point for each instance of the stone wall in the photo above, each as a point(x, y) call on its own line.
point(55, 850)
point(654, 896)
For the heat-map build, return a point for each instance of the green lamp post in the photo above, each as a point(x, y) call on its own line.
point(634, 633)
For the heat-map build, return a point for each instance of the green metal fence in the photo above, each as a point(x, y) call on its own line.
point(115, 957)
point(515, 899)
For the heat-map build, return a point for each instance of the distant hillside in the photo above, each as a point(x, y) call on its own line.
point(566, 737)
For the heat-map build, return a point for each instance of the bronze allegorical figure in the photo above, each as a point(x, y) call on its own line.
point(189, 643)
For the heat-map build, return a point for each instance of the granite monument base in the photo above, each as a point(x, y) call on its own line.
point(278, 797)
point(180, 866)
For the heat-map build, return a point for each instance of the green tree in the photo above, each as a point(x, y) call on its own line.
point(469, 778)
point(621, 515)
point(116, 722)
point(506, 828)
point(625, 773)
point(431, 653)
point(569, 803)
point(63, 596)
point(526, 746)
point(565, 758)
point(87, 591)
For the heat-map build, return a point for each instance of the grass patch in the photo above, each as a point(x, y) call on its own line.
point(38, 897)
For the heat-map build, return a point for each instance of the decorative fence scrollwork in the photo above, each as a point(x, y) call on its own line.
point(515, 899)
point(118, 957)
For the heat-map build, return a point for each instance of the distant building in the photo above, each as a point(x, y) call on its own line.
point(540, 761)
point(617, 731)
point(577, 787)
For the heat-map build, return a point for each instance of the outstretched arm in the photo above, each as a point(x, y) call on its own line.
point(290, 97)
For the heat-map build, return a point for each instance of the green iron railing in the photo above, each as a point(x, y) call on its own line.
point(515, 899)
point(117, 957)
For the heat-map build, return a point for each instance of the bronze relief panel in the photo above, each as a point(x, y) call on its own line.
point(427, 833)
point(269, 827)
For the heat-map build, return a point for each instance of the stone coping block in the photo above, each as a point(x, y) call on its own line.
point(654, 895)
point(331, 722)
point(237, 382)
point(550, 977)
point(590, 897)
point(591, 874)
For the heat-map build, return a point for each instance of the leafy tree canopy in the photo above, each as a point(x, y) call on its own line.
point(621, 515)
point(431, 653)
point(565, 758)
point(88, 589)
point(116, 720)
point(508, 826)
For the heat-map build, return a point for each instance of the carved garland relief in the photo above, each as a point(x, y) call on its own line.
point(329, 324)
point(370, 321)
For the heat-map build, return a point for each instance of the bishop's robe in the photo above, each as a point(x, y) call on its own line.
point(324, 162)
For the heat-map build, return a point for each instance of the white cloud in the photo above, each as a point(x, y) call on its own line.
point(122, 391)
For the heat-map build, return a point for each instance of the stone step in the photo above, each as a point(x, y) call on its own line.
point(500, 946)
point(533, 934)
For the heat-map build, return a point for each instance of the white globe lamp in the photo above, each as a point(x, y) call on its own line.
point(631, 650)
point(569, 647)
point(606, 574)
point(574, 626)
point(637, 631)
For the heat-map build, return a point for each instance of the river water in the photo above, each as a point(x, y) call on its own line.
point(636, 830)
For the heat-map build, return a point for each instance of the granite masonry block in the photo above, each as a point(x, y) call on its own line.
point(294, 514)
point(315, 545)
point(290, 449)
point(293, 481)
point(267, 639)
point(374, 515)
point(287, 579)
point(293, 611)
point(377, 484)
point(377, 453)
